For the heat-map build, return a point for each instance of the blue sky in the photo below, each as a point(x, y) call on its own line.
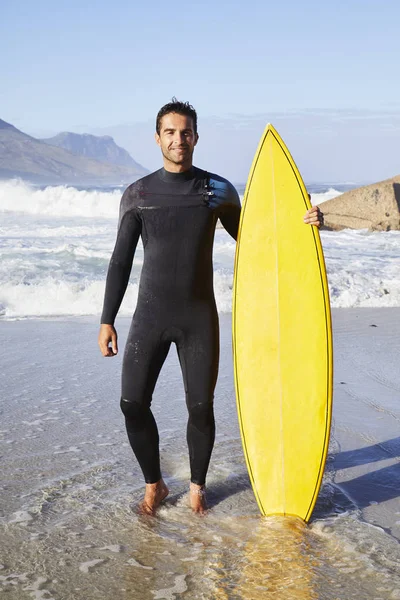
point(91, 65)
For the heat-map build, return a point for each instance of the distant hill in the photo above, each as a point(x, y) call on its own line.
point(101, 148)
point(35, 160)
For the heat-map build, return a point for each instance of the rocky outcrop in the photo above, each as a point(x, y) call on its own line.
point(24, 156)
point(375, 207)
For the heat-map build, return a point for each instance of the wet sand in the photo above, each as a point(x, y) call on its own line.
point(69, 483)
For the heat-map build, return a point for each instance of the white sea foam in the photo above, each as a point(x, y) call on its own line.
point(37, 590)
point(22, 517)
point(56, 243)
point(179, 587)
point(66, 201)
point(58, 298)
point(317, 198)
point(88, 566)
point(62, 200)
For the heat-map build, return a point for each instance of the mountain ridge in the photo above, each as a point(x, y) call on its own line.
point(22, 155)
point(101, 148)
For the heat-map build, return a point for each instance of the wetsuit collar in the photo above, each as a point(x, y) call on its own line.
point(175, 177)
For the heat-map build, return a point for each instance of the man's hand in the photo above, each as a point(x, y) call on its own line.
point(108, 334)
point(314, 217)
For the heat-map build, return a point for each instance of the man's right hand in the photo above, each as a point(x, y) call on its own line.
point(108, 334)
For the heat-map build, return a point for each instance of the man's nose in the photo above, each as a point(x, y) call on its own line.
point(179, 137)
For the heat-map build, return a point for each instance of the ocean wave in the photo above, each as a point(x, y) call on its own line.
point(318, 198)
point(50, 230)
point(63, 252)
point(53, 297)
point(19, 197)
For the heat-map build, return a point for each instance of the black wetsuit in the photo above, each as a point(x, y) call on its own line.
point(175, 214)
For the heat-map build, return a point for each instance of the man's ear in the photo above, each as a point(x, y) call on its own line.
point(196, 138)
point(157, 138)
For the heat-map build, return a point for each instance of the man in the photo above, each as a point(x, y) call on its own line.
point(175, 211)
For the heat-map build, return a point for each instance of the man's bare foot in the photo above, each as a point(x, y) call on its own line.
point(197, 495)
point(154, 494)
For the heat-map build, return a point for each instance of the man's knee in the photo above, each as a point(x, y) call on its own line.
point(201, 415)
point(135, 412)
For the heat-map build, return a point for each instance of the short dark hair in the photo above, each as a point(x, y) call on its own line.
point(180, 108)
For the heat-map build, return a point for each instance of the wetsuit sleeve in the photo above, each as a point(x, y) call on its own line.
point(230, 212)
point(120, 266)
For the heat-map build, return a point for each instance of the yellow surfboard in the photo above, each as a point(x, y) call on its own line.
point(282, 336)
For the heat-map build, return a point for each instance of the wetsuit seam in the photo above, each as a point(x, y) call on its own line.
point(141, 194)
point(171, 206)
point(144, 237)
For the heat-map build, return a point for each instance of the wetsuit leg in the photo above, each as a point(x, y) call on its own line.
point(144, 356)
point(198, 351)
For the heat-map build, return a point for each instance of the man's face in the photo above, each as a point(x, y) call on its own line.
point(177, 140)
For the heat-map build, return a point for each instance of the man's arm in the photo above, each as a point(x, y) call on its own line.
point(230, 213)
point(118, 273)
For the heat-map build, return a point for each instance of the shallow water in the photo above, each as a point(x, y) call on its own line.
point(70, 487)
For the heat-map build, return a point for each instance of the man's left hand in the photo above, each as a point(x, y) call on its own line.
point(314, 216)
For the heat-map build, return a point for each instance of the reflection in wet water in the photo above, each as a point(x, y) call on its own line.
point(277, 561)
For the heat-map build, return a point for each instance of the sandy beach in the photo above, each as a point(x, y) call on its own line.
point(70, 484)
